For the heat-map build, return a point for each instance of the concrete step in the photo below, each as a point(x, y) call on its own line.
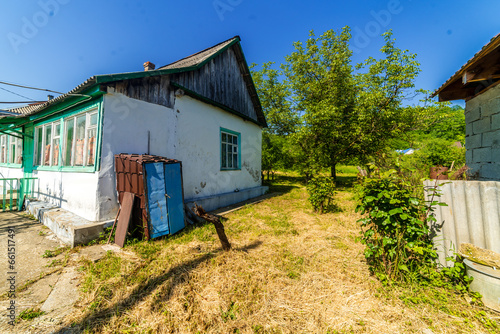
point(71, 229)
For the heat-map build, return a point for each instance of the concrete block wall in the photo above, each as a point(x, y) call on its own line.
point(482, 134)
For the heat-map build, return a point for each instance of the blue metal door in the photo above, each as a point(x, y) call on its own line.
point(175, 202)
point(157, 201)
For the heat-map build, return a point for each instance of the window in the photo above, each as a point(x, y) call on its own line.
point(15, 150)
point(11, 150)
point(3, 148)
point(230, 143)
point(47, 138)
point(80, 133)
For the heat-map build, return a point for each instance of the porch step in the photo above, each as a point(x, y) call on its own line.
point(71, 229)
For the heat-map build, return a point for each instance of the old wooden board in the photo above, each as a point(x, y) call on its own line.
point(124, 218)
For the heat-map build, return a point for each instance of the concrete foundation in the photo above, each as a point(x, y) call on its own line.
point(210, 203)
point(71, 229)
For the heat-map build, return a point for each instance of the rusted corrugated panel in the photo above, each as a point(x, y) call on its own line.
point(129, 178)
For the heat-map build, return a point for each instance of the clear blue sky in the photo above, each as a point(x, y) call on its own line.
point(57, 44)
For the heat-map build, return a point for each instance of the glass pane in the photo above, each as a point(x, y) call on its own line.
point(47, 142)
point(19, 151)
point(38, 153)
point(68, 141)
point(235, 160)
point(224, 140)
point(93, 119)
point(55, 151)
point(57, 130)
point(230, 160)
point(224, 156)
point(92, 133)
point(12, 150)
point(80, 139)
point(235, 140)
point(235, 149)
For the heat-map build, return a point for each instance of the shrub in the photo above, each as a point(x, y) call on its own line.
point(395, 230)
point(321, 194)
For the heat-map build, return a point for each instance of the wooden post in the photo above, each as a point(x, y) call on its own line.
point(199, 211)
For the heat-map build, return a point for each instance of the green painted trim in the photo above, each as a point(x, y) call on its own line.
point(72, 102)
point(221, 129)
point(2, 130)
point(11, 165)
point(72, 169)
point(214, 103)
point(61, 117)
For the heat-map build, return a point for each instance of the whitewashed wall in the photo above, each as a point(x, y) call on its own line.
point(198, 147)
point(482, 134)
point(9, 173)
point(190, 133)
point(75, 192)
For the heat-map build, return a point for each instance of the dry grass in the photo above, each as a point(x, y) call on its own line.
point(290, 271)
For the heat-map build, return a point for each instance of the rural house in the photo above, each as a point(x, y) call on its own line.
point(202, 110)
point(476, 82)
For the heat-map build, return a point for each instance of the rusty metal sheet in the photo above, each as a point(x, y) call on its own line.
point(124, 218)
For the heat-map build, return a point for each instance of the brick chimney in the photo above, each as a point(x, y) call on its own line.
point(149, 66)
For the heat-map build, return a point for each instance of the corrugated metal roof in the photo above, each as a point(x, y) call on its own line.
point(189, 63)
point(32, 109)
point(200, 57)
point(492, 44)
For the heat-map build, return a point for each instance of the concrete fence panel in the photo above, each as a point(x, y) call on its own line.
point(472, 215)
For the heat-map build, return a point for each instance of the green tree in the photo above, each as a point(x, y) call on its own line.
point(333, 111)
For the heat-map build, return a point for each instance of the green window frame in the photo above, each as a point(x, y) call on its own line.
point(11, 151)
point(77, 131)
point(47, 144)
point(80, 139)
point(230, 150)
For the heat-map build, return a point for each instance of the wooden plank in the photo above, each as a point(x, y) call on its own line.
point(124, 218)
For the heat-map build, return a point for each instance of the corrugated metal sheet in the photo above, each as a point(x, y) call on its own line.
point(472, 216)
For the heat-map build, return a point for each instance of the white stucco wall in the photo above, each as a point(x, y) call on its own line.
point(9, 173)
point(75, 192)
point(126, 123)
point(198, 147)
point(482, 134)
point(190, 133)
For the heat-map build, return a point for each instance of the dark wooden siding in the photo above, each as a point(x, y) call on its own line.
point(150, 89)
point(220, 80)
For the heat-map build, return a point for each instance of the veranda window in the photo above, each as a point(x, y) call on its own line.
point(80, 139)
point(3, 148)
point(47, 139)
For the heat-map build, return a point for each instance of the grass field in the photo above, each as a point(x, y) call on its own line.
point(290, 271)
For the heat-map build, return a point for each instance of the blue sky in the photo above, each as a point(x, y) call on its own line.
point(57, 44)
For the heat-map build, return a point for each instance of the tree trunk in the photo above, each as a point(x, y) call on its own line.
point(333, 171)
point(199, 211)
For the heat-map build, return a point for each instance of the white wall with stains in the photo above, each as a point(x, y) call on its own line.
point(190, 133)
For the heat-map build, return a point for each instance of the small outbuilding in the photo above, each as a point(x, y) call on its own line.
point(476, 82)
point(202, 110)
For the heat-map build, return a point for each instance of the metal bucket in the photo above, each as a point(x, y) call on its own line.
point(486, 282)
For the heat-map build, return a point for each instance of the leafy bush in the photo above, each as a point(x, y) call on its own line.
point(321, 193)
point(396, 234)
point(395, 231)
